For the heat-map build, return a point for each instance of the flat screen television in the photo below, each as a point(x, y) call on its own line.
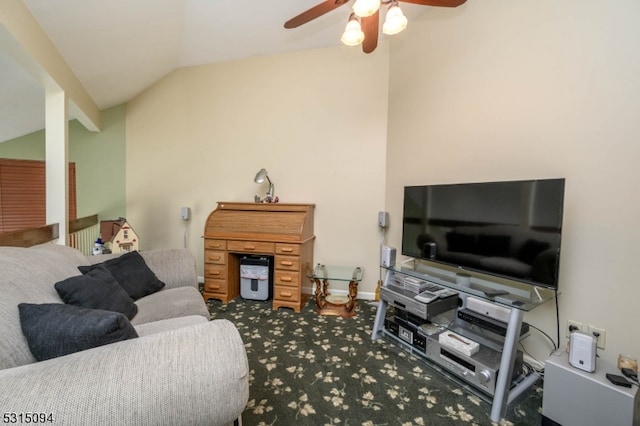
point(506, 229)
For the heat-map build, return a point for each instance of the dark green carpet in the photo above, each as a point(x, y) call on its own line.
point(308, 369)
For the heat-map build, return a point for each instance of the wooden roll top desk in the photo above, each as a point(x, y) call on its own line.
point(284, 231)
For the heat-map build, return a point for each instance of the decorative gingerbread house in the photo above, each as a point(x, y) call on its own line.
point(119, 236)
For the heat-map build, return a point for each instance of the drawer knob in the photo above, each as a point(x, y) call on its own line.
point(215, 273)
point(286, 279)
point(286, 263)
point(214, 257)
point(286, 249)
point(285, 294)
point(216, 287)
point(249, 247)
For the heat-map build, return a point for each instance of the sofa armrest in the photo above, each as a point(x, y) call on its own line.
point(195, 375)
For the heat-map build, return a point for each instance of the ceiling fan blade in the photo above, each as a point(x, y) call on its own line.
point(313, 13)
point(440, 3)
point(370, 26)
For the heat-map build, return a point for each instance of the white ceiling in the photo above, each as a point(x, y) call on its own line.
point(118, 48)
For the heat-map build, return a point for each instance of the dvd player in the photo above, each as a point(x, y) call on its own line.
point(489, 323)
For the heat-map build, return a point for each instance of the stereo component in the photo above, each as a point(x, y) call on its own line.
point(480, 370)
point(488, 323)
point(488, 309)
point(403, 299)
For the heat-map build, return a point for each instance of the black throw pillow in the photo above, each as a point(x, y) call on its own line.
point(133, 274)
point(97, 289)
point(56, 329)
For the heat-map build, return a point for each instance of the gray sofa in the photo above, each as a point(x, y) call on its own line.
point(182, 369)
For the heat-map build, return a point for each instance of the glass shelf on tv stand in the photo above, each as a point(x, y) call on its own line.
point(523, 297)
point(515, 297)
point(518, 385)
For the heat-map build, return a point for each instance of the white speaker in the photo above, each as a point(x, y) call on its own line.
point(582, 351)
point(388, 257)
point(185, 213)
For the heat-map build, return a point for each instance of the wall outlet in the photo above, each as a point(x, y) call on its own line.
point(571, 324)
point(600, 334)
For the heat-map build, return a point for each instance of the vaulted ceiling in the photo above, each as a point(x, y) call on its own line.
point(118, 48)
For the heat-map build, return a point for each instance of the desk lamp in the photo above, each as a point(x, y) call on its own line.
point(260, 177)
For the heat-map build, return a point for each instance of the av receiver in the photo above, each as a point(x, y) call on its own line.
point(480, 369)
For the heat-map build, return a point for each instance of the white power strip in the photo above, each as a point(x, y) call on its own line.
point(533, 362)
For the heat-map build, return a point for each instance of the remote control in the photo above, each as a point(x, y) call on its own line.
point(494, 292)
point(426, 297)
point(618, 380)
point(447, 293)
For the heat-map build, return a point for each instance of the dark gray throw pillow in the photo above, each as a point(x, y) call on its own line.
point(56, 329)
point(133, 274)
point(97, 289)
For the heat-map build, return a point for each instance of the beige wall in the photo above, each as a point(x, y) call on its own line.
point(99, 158)
point(315, 120)
point(515, 90)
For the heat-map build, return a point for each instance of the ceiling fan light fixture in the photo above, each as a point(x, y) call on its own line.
point(353, 35)
point(395, 21)
point(364, 8)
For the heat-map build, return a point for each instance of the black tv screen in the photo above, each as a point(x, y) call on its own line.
point(507, 229)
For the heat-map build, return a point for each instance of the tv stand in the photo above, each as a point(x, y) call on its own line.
point(505, 390)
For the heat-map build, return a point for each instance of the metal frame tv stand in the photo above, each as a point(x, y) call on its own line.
point(517, 300)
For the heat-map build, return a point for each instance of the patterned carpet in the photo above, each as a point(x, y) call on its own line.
point(307, 369)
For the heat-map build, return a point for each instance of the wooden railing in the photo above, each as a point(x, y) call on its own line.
point(79, 231)
point(30, 237)
point(83, 233)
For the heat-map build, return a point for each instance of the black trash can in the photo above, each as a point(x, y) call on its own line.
point(256, 277)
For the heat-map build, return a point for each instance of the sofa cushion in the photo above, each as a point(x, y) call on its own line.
point(170, 303)
point(133, 274)
point(97, 289)
point(56, 329)
point(164, 325)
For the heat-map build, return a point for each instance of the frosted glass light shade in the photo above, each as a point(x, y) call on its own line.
point(353, 34)
point(395, 21)
point(364, 8)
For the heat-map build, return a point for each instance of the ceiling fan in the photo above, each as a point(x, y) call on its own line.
point(363, 24)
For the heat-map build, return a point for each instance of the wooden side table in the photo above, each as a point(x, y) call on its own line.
point(328, 304)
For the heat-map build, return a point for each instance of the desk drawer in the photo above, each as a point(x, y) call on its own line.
point(283, 293)
point(282, 248)
point(250, 247)
point(286, 278)
point(289, 263)
point(215, 256)
point(215, 286)
point(215, 271)
point(215, 244)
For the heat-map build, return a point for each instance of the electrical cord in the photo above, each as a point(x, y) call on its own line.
point(546, 335)
point(557, 318)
